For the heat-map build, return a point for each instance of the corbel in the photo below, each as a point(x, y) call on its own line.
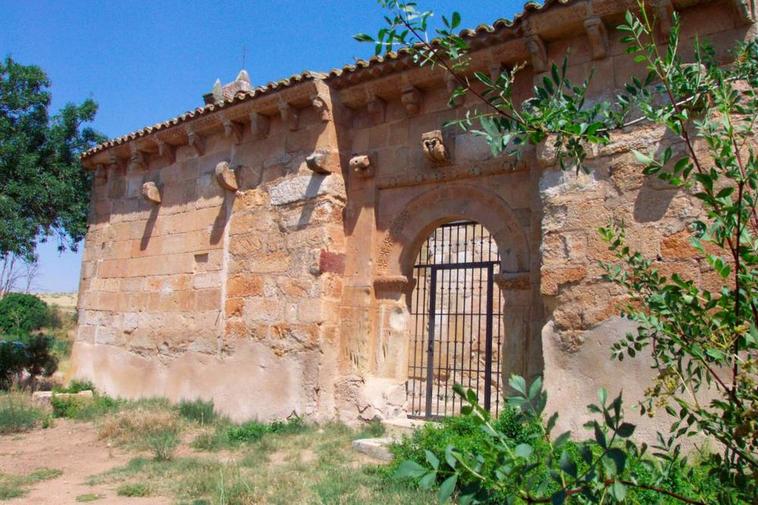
point(664, 11)
point(226, 176)
point(361, 166)
point(376, 108)
point(322, 108)
point(598, 36)
point(538, 53)
point(114, 161)
point(195, 140)
point(496, 69)
point(411, 99)
point(151, 192)
point(137, 159)
point(232, 129)
point(165, 150)
point(101, 172)
point(259, 124)
point(433, 146)
point(323, 161)
point(746, 10)
point(290, 115)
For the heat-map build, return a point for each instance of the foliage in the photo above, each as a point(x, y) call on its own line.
point(82, 408)
point(31, 354)
point(163, 442)
point(43, 185)
point(372, 429)
point(75, 386)
point(229, 435)
point(702, 340)
point(199, 410)
point(21, 314)
point(18, 413)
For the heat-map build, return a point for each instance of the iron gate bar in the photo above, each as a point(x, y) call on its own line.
point(488, 350)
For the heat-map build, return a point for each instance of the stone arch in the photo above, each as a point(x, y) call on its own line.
point(440, 205)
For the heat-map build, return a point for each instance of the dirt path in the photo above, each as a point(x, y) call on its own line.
point(74, 449)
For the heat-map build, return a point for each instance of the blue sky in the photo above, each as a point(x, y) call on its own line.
point(146, 61)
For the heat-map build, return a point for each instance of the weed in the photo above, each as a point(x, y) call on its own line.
point(163, 443)
point(134, 489)
point(75, 386)
point(13, 486)
point(84, 409)
point(199, 411)
point(18, 413)
point(88, 497)
point(372, 429)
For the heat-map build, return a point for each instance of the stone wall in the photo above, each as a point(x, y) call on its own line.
point(283, 283)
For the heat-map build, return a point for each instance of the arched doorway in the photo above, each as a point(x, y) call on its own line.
point(456, 331)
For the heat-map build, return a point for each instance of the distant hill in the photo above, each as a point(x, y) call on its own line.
point(65, 301)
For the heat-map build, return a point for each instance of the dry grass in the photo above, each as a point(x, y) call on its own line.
point(129, 427)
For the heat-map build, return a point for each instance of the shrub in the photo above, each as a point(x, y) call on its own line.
point(251, 431)
point(83, 408)
point(32, 354)
point(20, 314)
point(163, 442)
point(18, 413)
point(75, 386)
point(200, 411)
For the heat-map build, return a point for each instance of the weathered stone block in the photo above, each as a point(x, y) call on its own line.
point(306, 187)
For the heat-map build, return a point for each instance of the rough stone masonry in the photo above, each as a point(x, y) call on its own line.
point(259, 250)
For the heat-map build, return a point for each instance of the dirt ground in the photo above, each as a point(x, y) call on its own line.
point(74, 449)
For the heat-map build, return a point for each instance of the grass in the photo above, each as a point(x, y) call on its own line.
point(134, 489)
point(199, 411)
point(13, 486)
point(306, 466)
point(18, 413)
point(89, 497)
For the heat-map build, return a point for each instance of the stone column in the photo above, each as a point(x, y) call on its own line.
point(517, 296)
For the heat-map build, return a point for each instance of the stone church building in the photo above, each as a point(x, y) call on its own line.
point(322, 245)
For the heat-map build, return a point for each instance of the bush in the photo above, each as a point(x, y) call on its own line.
point(200, 411)
point(32, 354)
point(21, 314)
point(75, 386)
point(83, 408)
point(163, 442)
point(18, 413)
point(134, 489)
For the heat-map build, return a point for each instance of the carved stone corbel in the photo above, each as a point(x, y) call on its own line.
point(391, 286)
point(137, 160)
point(411, 100)
point(195, 140)
point(361, 166)
point(746, 10)
point(290, 116)
point(151, 192)
point(323, 162)
point(165, 150)
point(322, 108)
point(598, 36)
point(376, 108)
point(114, 161)
point(232, 129)
point(226, 176)
point(433, 145)
point(664, 11)
point(538, 53)
point(259, 124)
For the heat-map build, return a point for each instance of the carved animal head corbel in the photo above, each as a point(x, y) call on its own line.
point(433, 146)
point(226, 176)
point(151, 192)
point(361, 166)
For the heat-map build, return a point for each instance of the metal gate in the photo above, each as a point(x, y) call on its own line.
point(457, 327)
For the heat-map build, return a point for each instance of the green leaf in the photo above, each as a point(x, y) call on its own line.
point(567, 464)
point(428, 480)
point(409, 469)
point(432, 459)
point(618, 491)
point(518, 383)
point(626, 430)
point(447, 488)
point(523, 451)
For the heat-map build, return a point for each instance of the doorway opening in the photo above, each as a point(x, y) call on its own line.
point(457, 325)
